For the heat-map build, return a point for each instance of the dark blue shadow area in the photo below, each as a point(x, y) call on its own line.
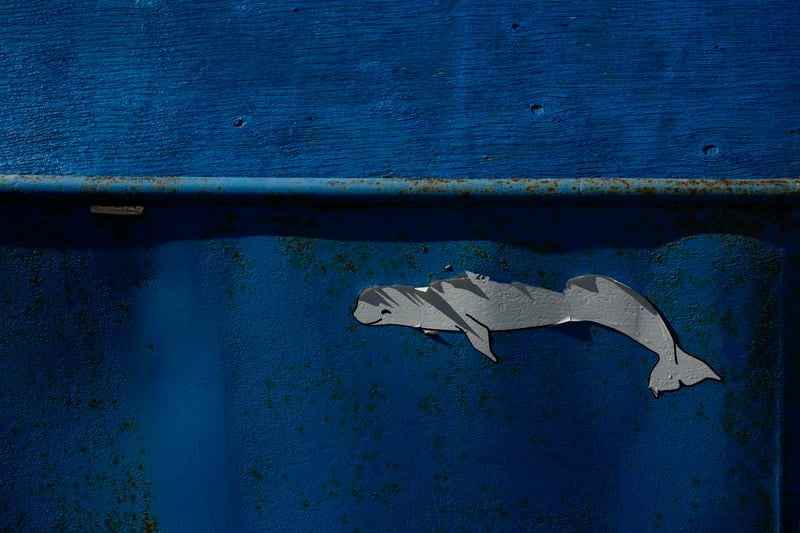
point(790, 437)
point(327, 88)
point(199, 368)
point(546, 228)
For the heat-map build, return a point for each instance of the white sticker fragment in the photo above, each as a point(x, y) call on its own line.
point(475, 306)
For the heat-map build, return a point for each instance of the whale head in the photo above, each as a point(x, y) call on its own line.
point(394, 305)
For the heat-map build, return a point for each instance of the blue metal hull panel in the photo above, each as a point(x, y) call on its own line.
point(198, 368)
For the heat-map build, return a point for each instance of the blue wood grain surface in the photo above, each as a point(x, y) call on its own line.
point(414, 88)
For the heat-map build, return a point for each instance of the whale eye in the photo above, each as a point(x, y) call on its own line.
point(386, 312)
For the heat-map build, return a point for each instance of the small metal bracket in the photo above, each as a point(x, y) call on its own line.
point(124, 210)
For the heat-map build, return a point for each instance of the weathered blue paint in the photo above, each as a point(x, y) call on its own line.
point(410, 191)
point(197, 368)
point(449, 88)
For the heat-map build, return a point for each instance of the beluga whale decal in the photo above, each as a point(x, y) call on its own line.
point(475, 306)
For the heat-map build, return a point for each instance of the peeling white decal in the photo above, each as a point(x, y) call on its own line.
point(475, 306)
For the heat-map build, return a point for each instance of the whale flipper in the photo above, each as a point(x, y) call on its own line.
point(478, 336)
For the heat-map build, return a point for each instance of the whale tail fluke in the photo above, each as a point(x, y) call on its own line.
point(683, 370)
point(693, 370)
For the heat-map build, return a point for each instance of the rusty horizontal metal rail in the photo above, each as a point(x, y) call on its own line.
point(403, 190)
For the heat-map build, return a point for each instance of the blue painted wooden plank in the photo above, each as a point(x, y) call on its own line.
point(415, 89)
